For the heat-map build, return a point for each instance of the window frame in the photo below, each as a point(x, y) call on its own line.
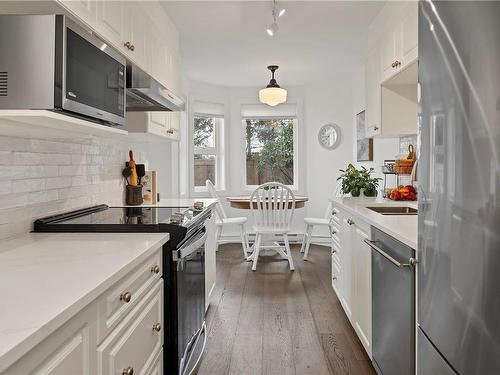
point(295, 186)
point(217, 150)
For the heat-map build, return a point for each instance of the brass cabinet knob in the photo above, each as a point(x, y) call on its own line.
point(128, 371)
point(132, 47)
point(155, 269)
point(157, 327)
point(350, 222)
point(334, 232)
point(128, 45)
point(375, 128)
point(170, 131)
point(125, 297)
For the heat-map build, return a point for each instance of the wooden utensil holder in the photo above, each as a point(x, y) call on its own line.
point(133, 195)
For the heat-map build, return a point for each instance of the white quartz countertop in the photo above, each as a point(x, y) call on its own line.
point(47, 278)
point(402, 227)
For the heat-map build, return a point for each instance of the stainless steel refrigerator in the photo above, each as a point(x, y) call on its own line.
point(458, 274)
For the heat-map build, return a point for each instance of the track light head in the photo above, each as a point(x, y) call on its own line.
point(273, 29)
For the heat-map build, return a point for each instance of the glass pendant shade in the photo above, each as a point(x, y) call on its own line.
point(272, 96)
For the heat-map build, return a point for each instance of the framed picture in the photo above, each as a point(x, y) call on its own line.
point(364, 145)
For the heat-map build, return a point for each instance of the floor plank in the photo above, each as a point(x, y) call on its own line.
point(277, 322)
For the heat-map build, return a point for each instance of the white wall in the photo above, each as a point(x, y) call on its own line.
point(319, 103)
point(40, 177)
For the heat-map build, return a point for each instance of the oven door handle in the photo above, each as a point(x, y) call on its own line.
point(196, 366)
point(373, 245)
point(185, 251)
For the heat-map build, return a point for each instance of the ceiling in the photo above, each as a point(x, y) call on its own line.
point(225, 42)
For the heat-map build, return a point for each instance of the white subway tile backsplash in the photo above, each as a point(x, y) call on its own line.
point(5, 187)
point(58, 182)
point(42, 177)
point(28, 185)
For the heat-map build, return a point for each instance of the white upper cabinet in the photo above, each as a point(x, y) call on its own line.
point(160, 63)
point(399, 41)
point(136, 32)
point(85, 10)
point(110, 21)
point(409, 35)
point(372, 87)
point(391, 71)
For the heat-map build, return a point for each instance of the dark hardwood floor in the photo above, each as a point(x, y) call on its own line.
point(274, 321)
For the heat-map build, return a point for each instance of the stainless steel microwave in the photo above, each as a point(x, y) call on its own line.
point(48, 62)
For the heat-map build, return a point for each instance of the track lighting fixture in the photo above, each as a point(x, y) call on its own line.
point(276, 12)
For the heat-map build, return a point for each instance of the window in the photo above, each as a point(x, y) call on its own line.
point(270, 150)
point(207, 130)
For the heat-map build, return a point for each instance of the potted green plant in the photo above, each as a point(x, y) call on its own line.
point(355, 181)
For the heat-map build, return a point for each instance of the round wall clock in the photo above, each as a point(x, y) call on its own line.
point(329, 136)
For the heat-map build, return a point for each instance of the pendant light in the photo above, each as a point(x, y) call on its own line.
point(272, 94)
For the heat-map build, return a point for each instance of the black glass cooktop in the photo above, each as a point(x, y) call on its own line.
point(122, 219)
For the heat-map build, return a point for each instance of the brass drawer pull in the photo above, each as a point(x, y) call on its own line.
point(128, 371)
point(126, 297)
point(157, 327)
point(350, 222)
point(132, 48)
point(128, 45)
point(155, 269)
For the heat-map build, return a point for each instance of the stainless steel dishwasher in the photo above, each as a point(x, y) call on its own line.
point(393, 305)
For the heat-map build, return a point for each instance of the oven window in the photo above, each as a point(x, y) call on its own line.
point(93, 77)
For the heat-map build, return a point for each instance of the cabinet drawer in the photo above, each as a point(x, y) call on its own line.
point(336, 216)
point(335, 277)
point(113, 305)
point(135, 343)
point(157, 368)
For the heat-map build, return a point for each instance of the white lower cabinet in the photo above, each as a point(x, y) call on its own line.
point(351, 274)
point(134, 344)
point(347, 265)
point(157, 367)
point(70, 350)
point(363, 288)
point(210, 260)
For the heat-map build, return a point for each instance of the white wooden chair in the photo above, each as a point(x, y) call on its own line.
point(311, 222)
point(224, 221)
point(272, 206)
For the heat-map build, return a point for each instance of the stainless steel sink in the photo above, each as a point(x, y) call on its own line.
point(394, 210)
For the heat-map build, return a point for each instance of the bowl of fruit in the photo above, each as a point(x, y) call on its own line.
point(403, 193)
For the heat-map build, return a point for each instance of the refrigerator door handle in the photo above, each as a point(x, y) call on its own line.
point(373, 245)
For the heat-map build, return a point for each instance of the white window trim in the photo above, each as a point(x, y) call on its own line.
point(295, 186)
point(218, 151)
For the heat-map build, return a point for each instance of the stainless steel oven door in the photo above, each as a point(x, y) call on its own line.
point(93, 78)
point(190, 259)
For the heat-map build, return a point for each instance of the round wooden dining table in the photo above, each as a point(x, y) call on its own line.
point(243, 202)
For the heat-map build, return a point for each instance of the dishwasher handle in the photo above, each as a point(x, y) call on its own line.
point(373, 245)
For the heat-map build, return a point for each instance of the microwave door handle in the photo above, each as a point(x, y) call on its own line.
point(188, 250)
